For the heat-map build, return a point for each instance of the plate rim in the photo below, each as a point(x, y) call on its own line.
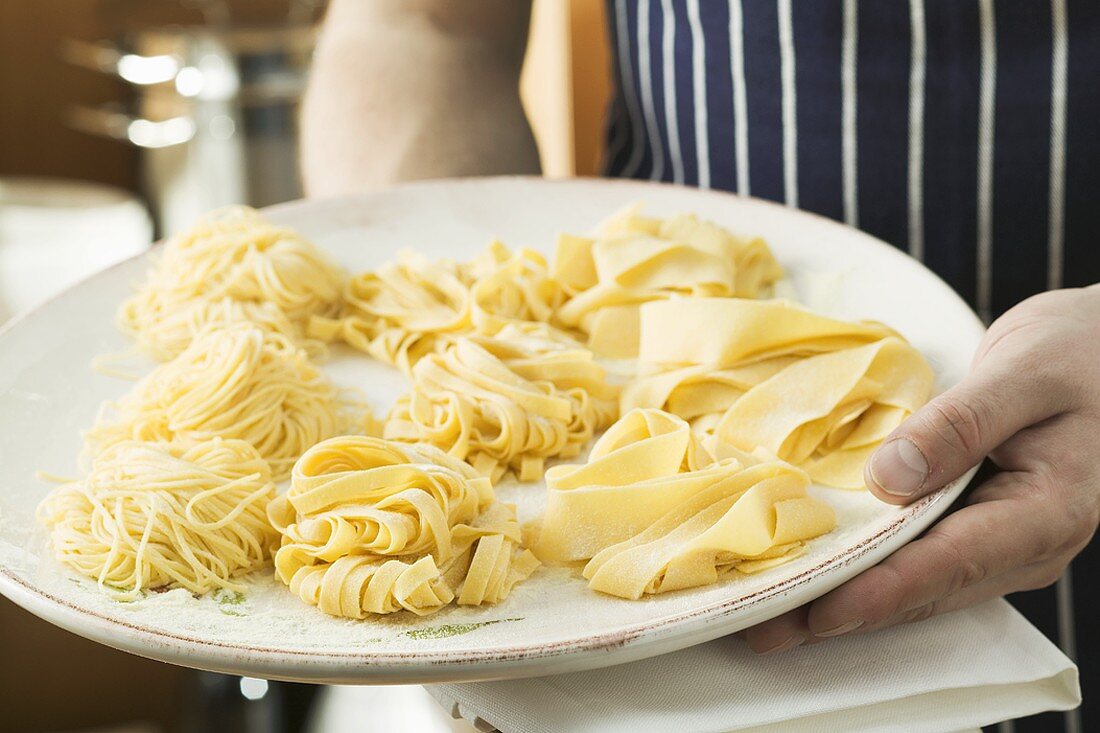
point(437, 665)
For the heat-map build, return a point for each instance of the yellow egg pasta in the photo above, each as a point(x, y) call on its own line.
point(234, 382)
point(155, 515)
point(176, 327)
point(515, 289)
point(355, 495)
point(738, 403)
point(355, 586)
point(397, 313)
point(815, 391)
point(371, 526)
point(414, 306)
point(635, 259)
point(510, 401)
point(232, 265)
point(652, 510)
point(491, 562)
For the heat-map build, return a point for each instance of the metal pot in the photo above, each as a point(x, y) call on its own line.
point(214, 110)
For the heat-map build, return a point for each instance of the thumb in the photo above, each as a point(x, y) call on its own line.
point(953, 433)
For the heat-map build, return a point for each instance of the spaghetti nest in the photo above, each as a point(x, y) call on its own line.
point(232, 265)
point(374, 527)
point(508, 402)
point(152, 515)
point(236, 382)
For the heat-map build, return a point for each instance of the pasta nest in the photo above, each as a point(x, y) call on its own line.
point(413, 306)
point(177, 326)
point(374, 527)
point(815, 391)
point(506, 402)
point(235, 382)
point(232, 265)
point(654, 510)
point(152, 515)
point(635, 259)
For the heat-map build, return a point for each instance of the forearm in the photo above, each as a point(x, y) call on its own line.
point(409, 89)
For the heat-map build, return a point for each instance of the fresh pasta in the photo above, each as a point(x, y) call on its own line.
point(234, 382)
point(414, 306)
point(175, 329)
point(397, 313)
point(373, 527)
point(815, 391)
point(355, 586)
point(506, 402)
point(737, 405)
point(653, 510)
point(232, 265)
point(154, 515)
point(515, 288)
point(635, 259)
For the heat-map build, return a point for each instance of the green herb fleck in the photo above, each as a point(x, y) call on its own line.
point(124, 595)
point(227, 601)
point(446, 631)
point(232, 597)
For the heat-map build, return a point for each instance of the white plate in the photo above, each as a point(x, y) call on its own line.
point(552, 622)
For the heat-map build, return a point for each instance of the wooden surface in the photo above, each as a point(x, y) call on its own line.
point(566, 84)
point(591, 73)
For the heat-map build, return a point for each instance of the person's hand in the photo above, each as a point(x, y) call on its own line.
point(1032, 404)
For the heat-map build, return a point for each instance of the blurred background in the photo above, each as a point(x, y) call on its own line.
point(121, 120)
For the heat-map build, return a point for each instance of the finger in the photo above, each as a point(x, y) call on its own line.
point(1059, 453)
point(955, 431)
point(1008, 529)
point(1031, 577)
point(780, 633)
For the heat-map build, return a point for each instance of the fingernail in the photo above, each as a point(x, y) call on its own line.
point(899, 468)
point(840, 630)
point(789, 643)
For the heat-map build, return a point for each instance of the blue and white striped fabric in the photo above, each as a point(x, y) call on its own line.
point(966, 132)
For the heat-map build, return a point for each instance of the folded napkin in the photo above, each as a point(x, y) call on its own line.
point(950, 673)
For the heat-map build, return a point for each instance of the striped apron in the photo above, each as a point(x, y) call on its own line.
point(964, 132)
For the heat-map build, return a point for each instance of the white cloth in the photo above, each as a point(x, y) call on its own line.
point(950, 673)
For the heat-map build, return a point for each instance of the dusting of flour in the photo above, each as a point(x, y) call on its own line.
point(46, 399)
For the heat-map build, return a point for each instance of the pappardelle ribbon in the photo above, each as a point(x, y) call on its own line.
point(635, 259)
point(815, 391)
point(652, 510)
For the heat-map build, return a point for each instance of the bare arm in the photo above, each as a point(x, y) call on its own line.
point(408, 89)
